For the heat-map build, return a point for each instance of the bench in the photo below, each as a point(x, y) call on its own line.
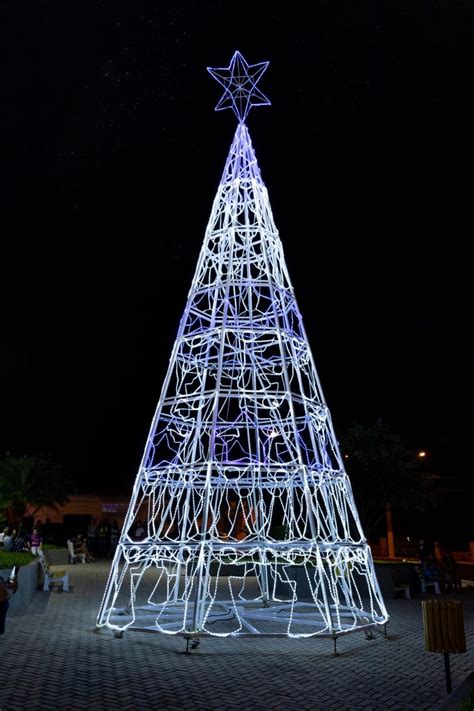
point(401, 583)
point(427, 582)
point(57, 577)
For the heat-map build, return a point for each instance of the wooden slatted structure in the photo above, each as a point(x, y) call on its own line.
point(444, 626)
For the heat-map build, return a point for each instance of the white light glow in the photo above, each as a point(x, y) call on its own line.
point(251, 526)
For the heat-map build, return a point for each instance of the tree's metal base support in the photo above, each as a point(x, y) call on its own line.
point(193, 642)
point(253, 619)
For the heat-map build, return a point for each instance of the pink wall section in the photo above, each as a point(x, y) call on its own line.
point(101, 507)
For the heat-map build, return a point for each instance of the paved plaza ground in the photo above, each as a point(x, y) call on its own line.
point(53, 657)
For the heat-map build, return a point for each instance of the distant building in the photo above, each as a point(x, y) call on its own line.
point(113, 508)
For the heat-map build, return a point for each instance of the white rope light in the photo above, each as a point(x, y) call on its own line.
point(251, 526)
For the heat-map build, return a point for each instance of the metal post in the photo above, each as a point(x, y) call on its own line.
point(447, 671)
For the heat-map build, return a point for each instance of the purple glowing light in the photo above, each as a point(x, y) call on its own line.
point(240, 81)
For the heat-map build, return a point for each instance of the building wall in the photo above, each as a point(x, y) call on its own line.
point(100, 507)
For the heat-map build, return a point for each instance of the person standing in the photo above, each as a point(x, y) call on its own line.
point(114, 537)
point(103, 537)
point(448, 571)
point(3, 534)
point(422, 552)
point(7, 589)
point(92, 536)
point(139, 531)
point(7, 540)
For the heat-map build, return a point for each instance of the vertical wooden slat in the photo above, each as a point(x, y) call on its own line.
point(443, 612)
point(459, 627)
point(438, 644)
point(426, 626)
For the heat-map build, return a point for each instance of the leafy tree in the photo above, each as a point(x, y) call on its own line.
point(382, 471)
point(30, 482)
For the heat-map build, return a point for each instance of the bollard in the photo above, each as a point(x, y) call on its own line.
point(444, 631)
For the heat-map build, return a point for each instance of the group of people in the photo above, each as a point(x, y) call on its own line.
point(102, 538)
point(80, 550)
point(12, 540)
point(100, 542)
point(438, 565)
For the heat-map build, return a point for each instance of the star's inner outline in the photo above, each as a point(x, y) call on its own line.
point(240, 81)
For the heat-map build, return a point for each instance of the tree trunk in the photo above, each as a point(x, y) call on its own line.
point(390, 538)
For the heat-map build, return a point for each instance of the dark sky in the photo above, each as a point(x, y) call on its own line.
point(113, 154)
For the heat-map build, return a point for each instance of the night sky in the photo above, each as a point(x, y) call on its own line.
point(113, 154)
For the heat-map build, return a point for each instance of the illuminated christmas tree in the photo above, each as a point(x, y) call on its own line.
point(250, 522)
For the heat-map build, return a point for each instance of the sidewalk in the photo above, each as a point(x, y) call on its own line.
point(53, 657)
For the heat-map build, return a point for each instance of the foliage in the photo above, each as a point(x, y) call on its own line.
point(8, 559)
point(30, 482)
point(382, 471)
point(468, 704)
point(51, 547)
point(280, 533)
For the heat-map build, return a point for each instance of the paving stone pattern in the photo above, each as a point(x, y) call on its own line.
point(53, 657)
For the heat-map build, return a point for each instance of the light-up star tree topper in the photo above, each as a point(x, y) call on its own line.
point(251, 526)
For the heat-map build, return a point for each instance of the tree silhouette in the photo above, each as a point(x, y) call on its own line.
point(382, 471)
point(30, 482)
